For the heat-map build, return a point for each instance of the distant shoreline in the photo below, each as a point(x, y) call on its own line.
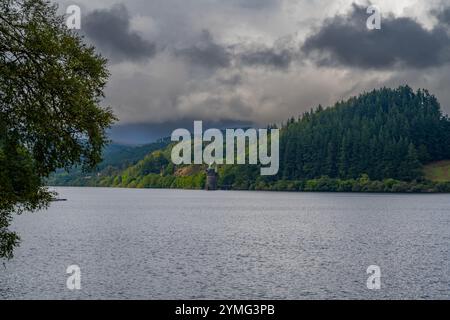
point(250, 190)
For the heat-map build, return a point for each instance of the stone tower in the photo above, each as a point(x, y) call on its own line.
point(211, 178)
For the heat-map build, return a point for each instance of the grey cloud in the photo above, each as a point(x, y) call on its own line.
point(232, 81)
point(255, 4)
point(110, 30)
point(206, 53)
point(443, 16)
point(278, 56)
point(345, 41)
point(268, 57)
point(209, 54)
point(232, 70)
point(234, 104)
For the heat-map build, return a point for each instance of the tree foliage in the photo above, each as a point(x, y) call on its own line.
point(51, 85)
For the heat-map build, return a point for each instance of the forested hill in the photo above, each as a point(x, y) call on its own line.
point(378, 141)
point(117, 157)
point(385, 133)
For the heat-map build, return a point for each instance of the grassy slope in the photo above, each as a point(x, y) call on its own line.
point(438, 171)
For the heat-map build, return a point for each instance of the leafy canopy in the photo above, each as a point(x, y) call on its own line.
point(51, 86)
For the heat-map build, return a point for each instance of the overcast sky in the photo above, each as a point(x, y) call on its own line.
point(239, 62)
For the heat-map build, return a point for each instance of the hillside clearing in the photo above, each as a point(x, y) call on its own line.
point(438, 171)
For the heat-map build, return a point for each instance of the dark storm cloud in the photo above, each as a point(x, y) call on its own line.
point(110, 30)
point(206, 53)
point(346, 41)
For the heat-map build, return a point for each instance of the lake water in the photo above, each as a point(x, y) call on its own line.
point(173, 244)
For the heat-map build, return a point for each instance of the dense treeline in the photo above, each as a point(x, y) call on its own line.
point(322, 184)
point(385, 134)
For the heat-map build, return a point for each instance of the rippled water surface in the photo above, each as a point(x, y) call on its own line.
point(172, 244)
